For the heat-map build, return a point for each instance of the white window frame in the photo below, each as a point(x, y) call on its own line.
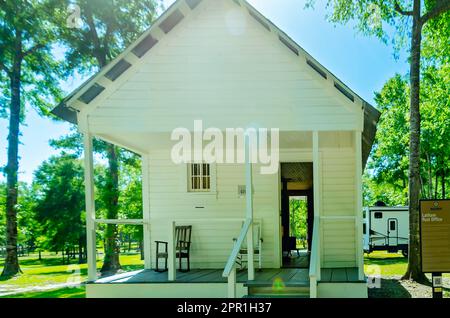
point(187, 180)
point(200, 174)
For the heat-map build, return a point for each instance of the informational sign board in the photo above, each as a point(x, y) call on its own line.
point(435, 235)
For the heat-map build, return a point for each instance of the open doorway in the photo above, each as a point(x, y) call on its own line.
point(297, 213)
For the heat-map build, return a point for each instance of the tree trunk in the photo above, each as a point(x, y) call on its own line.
point(111, 262)
point(141, 249)
point(11, 266)
point(436, 181)
point(430, 177)
point(80, 250)
point(414, 270)
point(422, 186)
point(443, 175)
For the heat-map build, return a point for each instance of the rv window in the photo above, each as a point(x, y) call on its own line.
point(364, 228)
point(378, 215)
point(392, 225)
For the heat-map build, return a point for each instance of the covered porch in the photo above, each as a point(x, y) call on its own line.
point(277, 282)
point(228, 280)
point(202, 283)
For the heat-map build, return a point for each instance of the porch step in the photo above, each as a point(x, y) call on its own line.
point(270, 291)
point(275, 296)
point(289, 284)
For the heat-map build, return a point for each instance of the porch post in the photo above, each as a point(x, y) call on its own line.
point(317, 191)
point(316, 174)
point(146, 212)
point(359, 205)
point(90, 207)
point(232, 283)
point(171, 252)
point(249, 208)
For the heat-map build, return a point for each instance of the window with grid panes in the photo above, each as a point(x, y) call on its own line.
point(199, 177)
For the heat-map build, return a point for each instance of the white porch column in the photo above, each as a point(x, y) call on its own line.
point(90, 207)
point(232, 283)
point(146, 212)
point(358, 204)
point(172, 253)
point(317, 190)
point(316, 174)
point(249, 208)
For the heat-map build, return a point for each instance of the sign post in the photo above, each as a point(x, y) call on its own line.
point(437, 285)
point(435, 240)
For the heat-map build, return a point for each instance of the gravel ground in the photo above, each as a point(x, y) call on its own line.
point(394, 287)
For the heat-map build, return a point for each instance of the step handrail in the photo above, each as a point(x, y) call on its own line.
point(236, 248)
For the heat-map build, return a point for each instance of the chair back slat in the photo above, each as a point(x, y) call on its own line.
point(183, 236)
point(257, 235)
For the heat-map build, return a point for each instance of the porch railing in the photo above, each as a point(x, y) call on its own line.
point(314, 266)
point(230, 268)
point(121, 221)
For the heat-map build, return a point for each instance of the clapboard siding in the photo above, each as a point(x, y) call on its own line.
point(338, 200)
point(212, 238)
point(207, 68)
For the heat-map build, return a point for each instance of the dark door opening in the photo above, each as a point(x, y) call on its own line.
point(297, 213)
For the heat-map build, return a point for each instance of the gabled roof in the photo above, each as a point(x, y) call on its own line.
point(94, 86)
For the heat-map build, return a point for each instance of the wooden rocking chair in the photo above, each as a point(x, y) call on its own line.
point(182, 247)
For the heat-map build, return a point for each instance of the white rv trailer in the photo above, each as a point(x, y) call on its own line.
point(386, 228)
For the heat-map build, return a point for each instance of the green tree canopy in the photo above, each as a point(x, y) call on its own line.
point(59, 206)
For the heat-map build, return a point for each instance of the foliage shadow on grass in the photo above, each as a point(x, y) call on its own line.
point(390, 288)
point(376, 260)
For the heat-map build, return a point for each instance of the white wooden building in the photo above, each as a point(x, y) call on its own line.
point(221, 61)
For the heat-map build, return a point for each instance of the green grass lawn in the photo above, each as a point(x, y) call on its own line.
point(78, 292)
point(391, 267)
point(42, 274)
point(389, 264)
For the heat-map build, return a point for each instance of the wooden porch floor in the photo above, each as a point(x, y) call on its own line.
point(265, 277)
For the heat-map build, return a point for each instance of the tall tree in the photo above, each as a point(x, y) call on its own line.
point(408, 18)
point(129, 178)
point(59, 204)
point(387, 174)
point(2, 214)
point(31, 73)
point(107, 27)
point(389, 157)
point(131, 196)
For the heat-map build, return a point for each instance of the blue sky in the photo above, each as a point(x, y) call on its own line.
point(362, 63)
